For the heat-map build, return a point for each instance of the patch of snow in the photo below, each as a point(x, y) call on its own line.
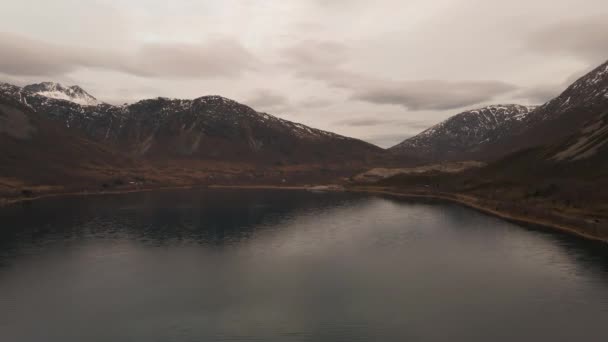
point(53, 90)
point(81, 100)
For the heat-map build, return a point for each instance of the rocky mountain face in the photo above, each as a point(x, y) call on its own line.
point(561, 152)
point(569, 113)
point(589, 142)
point(209, 127)
point(493, 132)
point(35, 150)
point(465, 135)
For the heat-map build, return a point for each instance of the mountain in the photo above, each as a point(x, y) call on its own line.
point(557, 169)
point(565, 177)
point(580, 157)
point(465, 135)
point(493, 132)
point(564, 140)
point(206, 128)
point(57, 91)
point(38, 153)
point(579, 105)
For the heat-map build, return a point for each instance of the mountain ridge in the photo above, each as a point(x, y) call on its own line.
point(207, 127)
point(463, 135)
point(461, 138)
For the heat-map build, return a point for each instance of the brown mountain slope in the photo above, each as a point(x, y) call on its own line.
point(579, 105)
point(39, 155)
point(36, 152)
point(209, 128)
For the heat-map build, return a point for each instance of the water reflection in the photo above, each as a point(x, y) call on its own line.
point(289, 266)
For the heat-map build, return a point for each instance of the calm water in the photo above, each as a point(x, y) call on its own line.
point(290, 266)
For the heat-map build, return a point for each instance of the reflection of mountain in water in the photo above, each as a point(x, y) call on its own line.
point(206, 217)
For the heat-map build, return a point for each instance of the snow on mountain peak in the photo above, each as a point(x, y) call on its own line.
point(57, 91)
point(467, 131)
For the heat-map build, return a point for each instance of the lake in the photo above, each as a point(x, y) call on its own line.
point(251, 265)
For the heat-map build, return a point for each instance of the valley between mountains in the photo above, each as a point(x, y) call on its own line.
point(544, 164)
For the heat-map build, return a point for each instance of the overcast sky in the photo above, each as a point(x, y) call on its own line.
point(379, 70)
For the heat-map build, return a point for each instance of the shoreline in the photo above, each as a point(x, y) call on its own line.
point(5, 202)
point(453, 198)
point(9, 202)
point(449, 197)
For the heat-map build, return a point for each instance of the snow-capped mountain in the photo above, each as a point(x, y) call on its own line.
point(589, 91)
point(580, 116)
point(209, 127)
point(572, 112)
point(563, 142)
point(35, 150)
point(463, 135)
point(495, 131)
point(57, 91)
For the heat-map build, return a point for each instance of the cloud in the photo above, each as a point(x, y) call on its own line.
point(542, 93)
point(314, 102)
point(433, 94)
point(386, 140)
point(327, 62)
point(368, 122)
point(321, 61)
point(582, 38)
point(220, 58)
point(265, 98)
point(216, 58)
point(315, 54)
point(363, 122)
point(22, 56)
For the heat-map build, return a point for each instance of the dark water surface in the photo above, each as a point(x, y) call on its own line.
point(290, 266)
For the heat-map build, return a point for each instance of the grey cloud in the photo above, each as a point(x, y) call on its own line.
point(362, 122)
point(217, 58)
point(265, 98)
point(315, 102)
point(21, 56)
point(367, 122)
point(542, 93)
point(433, 95)
point(583, 38)
point(406, 129)
point(310, 54)
point(386, 140)
point(325, 61)
point(321, 61)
